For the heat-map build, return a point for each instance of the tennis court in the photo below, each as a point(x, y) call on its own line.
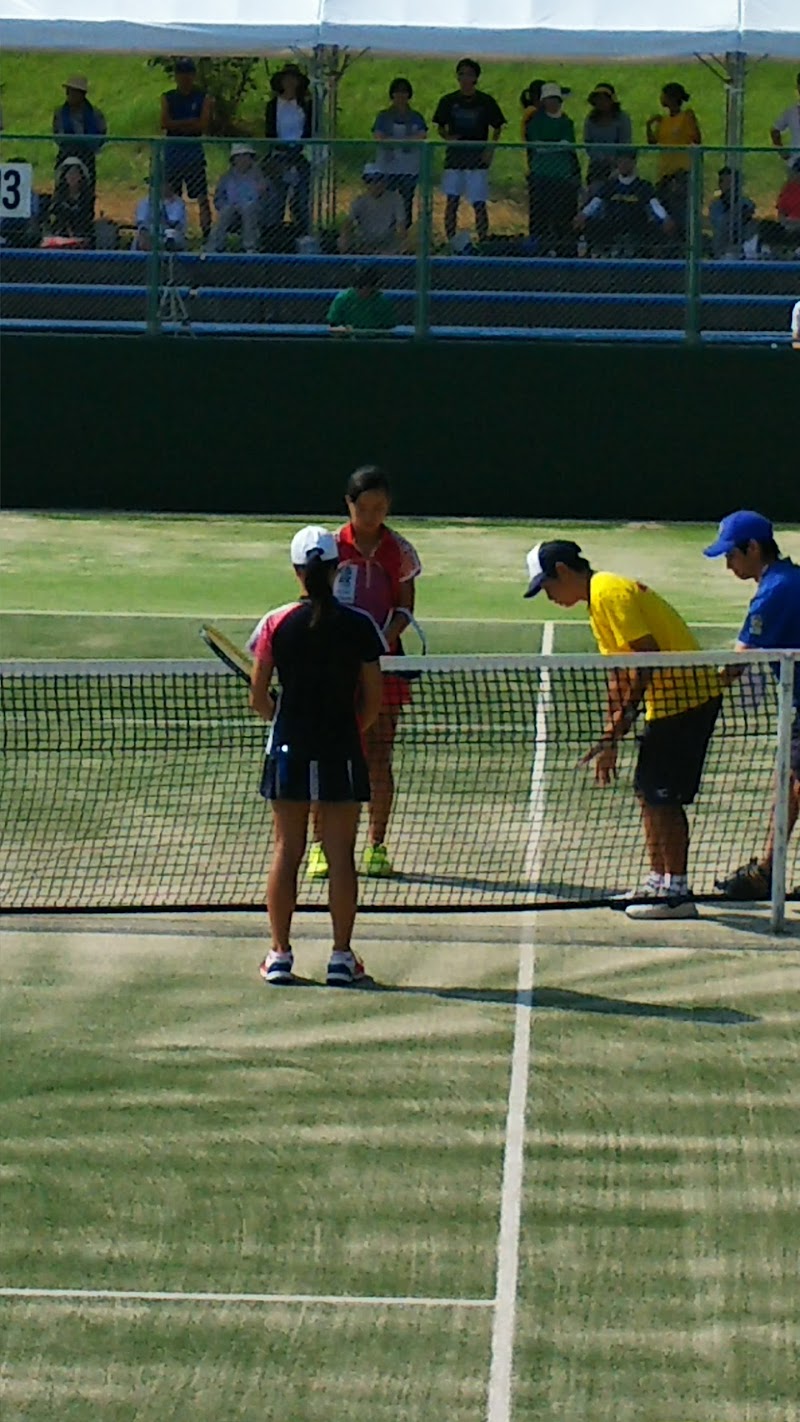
point(545, 1170)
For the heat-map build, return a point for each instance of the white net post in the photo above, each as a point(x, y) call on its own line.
point(782, 781)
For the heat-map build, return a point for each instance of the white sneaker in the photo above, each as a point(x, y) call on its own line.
point(663, 908)
point(647, 892)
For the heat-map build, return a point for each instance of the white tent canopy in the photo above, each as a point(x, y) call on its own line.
point(523, 28)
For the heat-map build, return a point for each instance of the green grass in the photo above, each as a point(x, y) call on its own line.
point(128, 91)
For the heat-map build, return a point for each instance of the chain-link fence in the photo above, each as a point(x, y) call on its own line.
point(356, 239)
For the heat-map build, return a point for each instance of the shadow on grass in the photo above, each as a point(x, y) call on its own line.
point(567, 1000)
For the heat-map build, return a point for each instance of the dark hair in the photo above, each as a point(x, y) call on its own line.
point(604, 86)
point(366, 276)
point(469, 64)
point(677, 92)
point(366, 480)
point(319, 586)
point(530, 98)
point(401, 83)
point(768, 546)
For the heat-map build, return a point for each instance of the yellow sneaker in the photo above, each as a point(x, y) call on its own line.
point(376, 863)
point(317, 867)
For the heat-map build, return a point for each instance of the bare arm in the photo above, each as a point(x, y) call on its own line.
point(399, 622)
point(625, 692)
point(261, 699)
point(370, 694)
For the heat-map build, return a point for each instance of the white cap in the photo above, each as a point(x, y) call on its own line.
point(237, 148)
point(371, 170)
point(313, 539)
point(551, 91)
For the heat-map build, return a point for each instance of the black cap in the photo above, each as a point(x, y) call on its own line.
point(543, 558)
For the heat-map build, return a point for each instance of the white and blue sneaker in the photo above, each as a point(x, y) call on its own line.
point(346, 970)
point(277, 969)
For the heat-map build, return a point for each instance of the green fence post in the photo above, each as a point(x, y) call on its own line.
point(694, 240)
point(154, 258)
point(422, 312)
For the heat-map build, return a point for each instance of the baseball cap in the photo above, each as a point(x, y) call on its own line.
point(552, 91)
point(370, 171)
point(542, 559)
point(313, 539)
point(185, 66)
point(738, 528)
point(238, 148)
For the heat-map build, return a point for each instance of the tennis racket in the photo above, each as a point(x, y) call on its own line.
point(233, 657)
point(411, 626)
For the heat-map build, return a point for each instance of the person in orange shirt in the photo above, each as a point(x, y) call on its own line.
point(678, 130)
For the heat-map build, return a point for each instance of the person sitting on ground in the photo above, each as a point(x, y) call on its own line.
point(676, 131)
point(788, 122)
point(363, 307)
point(186, 113)
point(399, 132)
point(623, 215)
point(782, 234)
point(172, 220)
point(605, 128)
point(467, 117)
point(78, 119)
point(554, 173)
point(239, 200)
point(376, 221)
point(731, 215)
point(289, 118)
point(72, 208)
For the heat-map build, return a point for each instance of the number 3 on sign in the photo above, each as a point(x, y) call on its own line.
point(16, 183)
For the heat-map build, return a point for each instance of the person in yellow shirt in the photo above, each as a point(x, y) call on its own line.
point(680, 705)
point(675, 132)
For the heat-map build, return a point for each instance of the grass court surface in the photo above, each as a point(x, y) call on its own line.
point(553, 1157)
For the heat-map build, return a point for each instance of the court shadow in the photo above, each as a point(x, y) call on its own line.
point(754, 921)
point(568, 1000)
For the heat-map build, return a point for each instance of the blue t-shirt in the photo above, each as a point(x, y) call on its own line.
point(773, 617)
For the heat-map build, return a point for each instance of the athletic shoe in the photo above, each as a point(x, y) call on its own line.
point(277, 968)
point(649, 891)
point(376, 863)
point(317, 867)
point(749, 883)
point(663, 908)
point(346, 970)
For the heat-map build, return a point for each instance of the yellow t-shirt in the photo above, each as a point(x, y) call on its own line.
point(621, 612)
point(676, 129)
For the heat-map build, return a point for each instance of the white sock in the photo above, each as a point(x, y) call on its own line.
point(655, 882)
point(676, 884)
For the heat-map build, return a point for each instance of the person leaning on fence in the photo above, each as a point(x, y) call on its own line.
point(72, 208)
point(625, 214)
point(363, 309)
point(731, 216)
point(465, 118)
point(675, 131)
point(605, 129)
point(239, 200)
point(398, 132)
point(77, 117)
point(788, 122)
point(186, 114)
point(746, 539)
point(172, 221)
point(554, 173)
point(681, 706)
point(376, 222)
point(289, 120)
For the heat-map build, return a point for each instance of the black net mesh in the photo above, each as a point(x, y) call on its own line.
point(139, 788)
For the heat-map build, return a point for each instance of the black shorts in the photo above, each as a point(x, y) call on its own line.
point(334, 780)
point(672, 753)
point(189, 169)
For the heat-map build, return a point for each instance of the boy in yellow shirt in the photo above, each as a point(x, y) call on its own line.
point(681, 705)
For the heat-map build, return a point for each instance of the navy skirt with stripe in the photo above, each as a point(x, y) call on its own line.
point(339, 779)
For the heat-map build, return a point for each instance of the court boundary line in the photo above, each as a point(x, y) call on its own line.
point(246, 616)
point(501, 1369)
point(198, 1296)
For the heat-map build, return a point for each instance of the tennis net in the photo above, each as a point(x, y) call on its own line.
point(136, 786)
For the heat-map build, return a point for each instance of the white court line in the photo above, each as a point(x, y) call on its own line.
point(501, 1371)
point(207, 616)
point(179, 1296)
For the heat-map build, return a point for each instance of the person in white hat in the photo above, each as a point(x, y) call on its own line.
point(78, 119)
point(239, 199)
point(327, 660)
point(554, 173)
point(376, 221)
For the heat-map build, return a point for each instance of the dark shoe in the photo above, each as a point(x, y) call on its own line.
point(748, 884)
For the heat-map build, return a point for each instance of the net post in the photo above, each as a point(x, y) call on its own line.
point(777, 916)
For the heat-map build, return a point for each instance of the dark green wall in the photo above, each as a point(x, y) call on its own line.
point(465, 428)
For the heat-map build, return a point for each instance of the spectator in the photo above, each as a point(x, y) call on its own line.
point(239, 199)
point(795, 326)
point(622, 216)
point(553, 173)
point(72, 210)
point(172, 220)
point(605, 128)
point(376, 222)
point(289, 118)
point(186, 114)
point(731, 216)
point(77, 117)
point(783, 233)
point(362, 308)
point(467, 116)
point(530, 99)
point(675, 132)
point(398, 131)
point(788, 122)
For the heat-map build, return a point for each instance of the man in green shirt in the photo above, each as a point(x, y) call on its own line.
point(554, 174)
point(363, 308)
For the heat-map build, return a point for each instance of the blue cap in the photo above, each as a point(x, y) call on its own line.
point(739, 528)
point(185, 66)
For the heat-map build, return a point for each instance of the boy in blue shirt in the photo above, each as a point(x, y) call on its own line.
point(747, 540)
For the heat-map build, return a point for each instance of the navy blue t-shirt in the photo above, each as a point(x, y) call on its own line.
point(180, 107)
point(773, 617)
point(318, 670)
